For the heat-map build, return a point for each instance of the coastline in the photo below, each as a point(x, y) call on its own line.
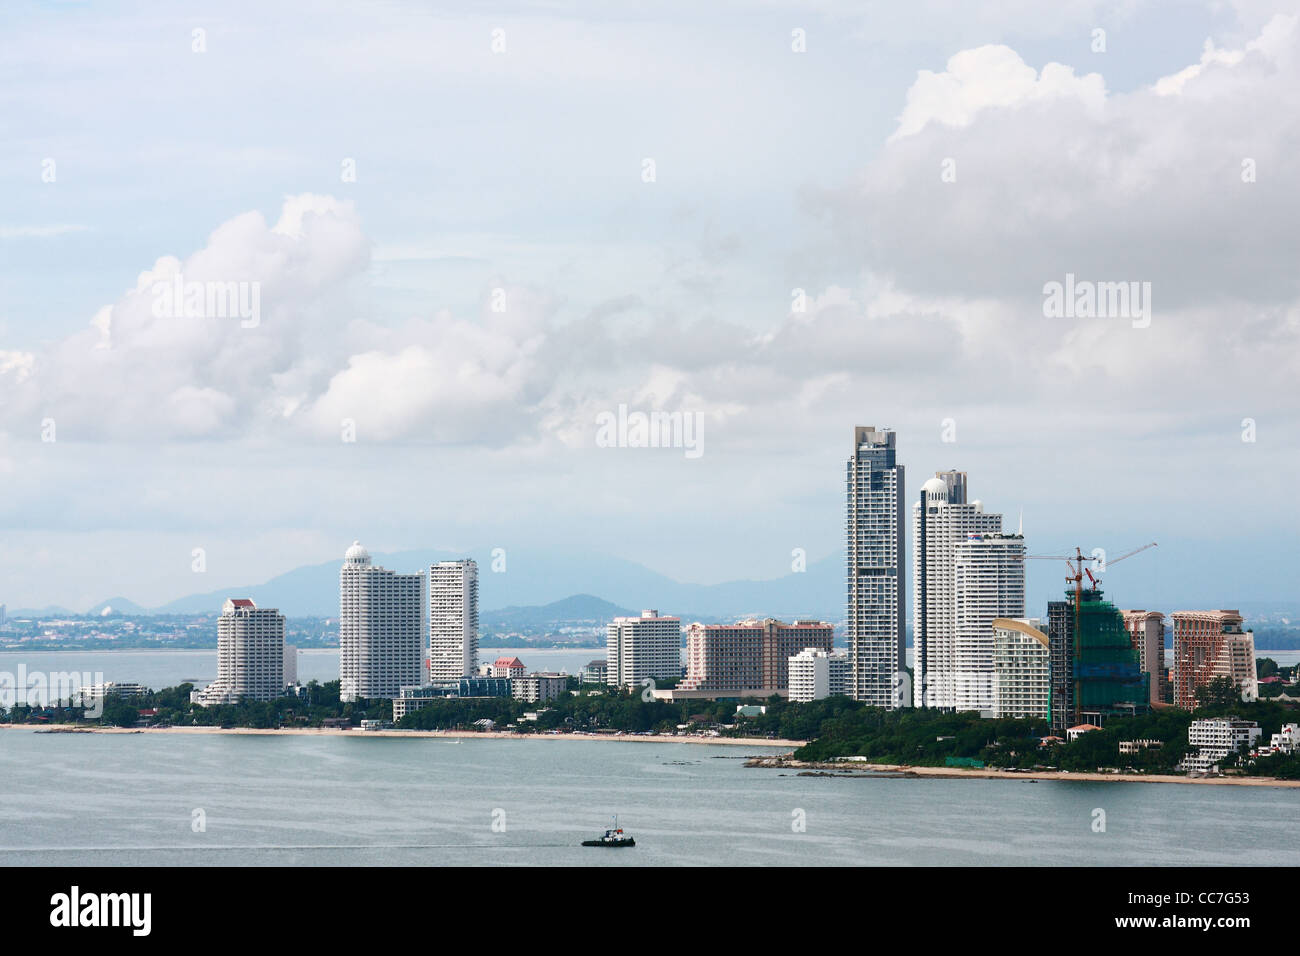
point(784, 761)
point(419, 734)
point(848, 769)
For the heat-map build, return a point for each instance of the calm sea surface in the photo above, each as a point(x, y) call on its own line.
point(291, 800)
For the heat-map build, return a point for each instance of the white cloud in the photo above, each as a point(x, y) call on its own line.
point(1148, 187)
point(990, 77)
point(135, 374)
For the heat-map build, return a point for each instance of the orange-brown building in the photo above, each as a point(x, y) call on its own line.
point(748, 655)
point(1210, 644)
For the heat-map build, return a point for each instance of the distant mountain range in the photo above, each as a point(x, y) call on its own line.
point(577, 609)
point(537, 588)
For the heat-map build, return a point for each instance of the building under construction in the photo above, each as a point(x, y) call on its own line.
point(1108, 677)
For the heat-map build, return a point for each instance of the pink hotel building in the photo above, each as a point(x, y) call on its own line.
point(749, 655)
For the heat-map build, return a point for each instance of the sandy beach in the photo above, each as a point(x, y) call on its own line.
point(447, 734)
point(867, 771)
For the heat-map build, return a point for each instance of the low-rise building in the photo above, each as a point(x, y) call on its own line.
point(411, 699)
point(539, 688)
point(815, 674)
point(1133, 746)
point(1213, 739)
point(1077, 731)
point(507, 667)
point(1285, 742)
point(124, 689)
point(595, 672)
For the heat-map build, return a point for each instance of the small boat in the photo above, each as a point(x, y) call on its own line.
point(614, 836)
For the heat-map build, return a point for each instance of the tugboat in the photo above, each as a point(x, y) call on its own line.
point(614, 836)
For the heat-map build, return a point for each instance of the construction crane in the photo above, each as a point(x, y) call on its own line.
point(1077, 570)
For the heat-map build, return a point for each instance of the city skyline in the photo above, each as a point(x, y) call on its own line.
point(424, 442)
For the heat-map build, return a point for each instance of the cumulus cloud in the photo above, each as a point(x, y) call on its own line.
point(141, 372)
point(1182, 184)
point(989, 77)
point(942, 288)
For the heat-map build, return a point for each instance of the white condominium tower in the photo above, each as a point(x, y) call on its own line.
point(381, 628)
point(989, 583)
point(250, 654)
point(1022, 657)
point(874, 536)
point(643, 647)
point(453, 620)
point(940, 519)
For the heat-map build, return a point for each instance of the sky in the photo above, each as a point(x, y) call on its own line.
point(473, 232)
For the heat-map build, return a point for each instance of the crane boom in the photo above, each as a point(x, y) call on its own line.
point(1131, 553)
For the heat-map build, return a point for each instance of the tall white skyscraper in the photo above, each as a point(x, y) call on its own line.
point(381, 628)
point(453, 620)
point(874, 533)
point(940, 519)
point(250, 655)
point(643, 647)
point(988, 584)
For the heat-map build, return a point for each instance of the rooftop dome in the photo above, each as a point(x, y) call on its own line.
point(357, 554)
point(936, 488)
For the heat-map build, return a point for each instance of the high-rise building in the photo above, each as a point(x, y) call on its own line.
point(874, 568)
point(940, 519)
point(1147, 629)
point(290, 665)
point(648, 647)
point(988, 583)
point(250, 655)
point(1107, 675)
point(1022, 684)
point(1210, 644)
point(1060, 637)
point(453, 620)
point(748, 655)
point(381, 628)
